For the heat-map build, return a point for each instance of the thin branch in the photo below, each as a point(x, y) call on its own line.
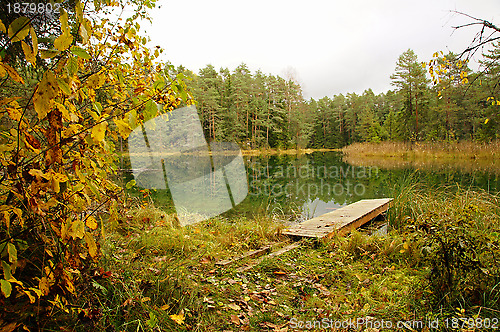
point(479, 21)
point(471, 48)
point(85, 129)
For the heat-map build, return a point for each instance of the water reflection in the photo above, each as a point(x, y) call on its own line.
point(298, 187)
point(170, 153)
point(304, 186)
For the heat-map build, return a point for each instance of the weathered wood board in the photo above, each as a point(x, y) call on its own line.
point(340, 221)
point(250, 254)
point(273, 254)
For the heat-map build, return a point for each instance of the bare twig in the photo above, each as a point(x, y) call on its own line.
point(482, 38)
point(478, 21)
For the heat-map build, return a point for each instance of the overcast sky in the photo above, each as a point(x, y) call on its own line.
point(332, 46)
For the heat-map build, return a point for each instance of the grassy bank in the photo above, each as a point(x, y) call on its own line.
point(464, 156)
point(462, 164)
point(426, 150)
point(438, 261)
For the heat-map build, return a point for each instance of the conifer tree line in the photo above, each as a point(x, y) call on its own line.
point(266, 111)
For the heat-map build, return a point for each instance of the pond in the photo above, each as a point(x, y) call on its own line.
point(299, 187)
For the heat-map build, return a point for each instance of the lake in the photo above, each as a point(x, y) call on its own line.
point(299, 187)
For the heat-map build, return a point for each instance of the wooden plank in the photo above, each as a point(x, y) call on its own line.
point(340, 221)
point(273, 254)
point(250, 254)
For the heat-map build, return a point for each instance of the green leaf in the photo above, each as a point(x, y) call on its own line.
point(72, 66)
point(80, 52)
point(6, 287)
point(98, 107)
point(119, 76)
point(184, 96)
point(64, 86)
point(94, 190)
point(159, 84)
point(19, 29)
point(48, 54)
point(130, 184)
point(63, 41)
point(132, 119)
point(150, 110)
point(11, 249)
point(7, 274)
point(152, 321)
point(78, 187)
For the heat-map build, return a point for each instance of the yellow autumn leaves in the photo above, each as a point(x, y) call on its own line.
point(21, 27)
point(6, 69)
point(99, 131)
point(47, 90)
point(18, 29)
point(17, 32)
point(65, 40)
point(440, 66)
point(123, 128)
point(62, 125)
point(53, 179)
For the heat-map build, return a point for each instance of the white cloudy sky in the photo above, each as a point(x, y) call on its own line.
point(332, 46)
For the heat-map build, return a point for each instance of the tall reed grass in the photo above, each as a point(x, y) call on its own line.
point(472, 150)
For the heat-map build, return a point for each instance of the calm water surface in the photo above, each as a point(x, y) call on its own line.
point(298, 187)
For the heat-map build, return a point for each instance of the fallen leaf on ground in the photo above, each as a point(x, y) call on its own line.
point(235, 319)
point(205, 260)
point(233, 306)
point(179, 319)
point(128, 302)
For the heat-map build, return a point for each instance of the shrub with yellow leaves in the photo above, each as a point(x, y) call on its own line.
point(64, 105)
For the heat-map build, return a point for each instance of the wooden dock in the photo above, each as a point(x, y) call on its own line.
point(340, 221)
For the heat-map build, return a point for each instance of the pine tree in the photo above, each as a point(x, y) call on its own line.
point(411, 82)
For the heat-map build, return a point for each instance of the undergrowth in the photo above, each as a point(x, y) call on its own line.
point(439, 260)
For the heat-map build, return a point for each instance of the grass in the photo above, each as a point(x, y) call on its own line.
point(466, 156)
point(154, 276)
point(446, 150)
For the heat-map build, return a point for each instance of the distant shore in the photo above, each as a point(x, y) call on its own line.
point(425, 150)
point(465, 156)
point(260, 152)
point(250, 152)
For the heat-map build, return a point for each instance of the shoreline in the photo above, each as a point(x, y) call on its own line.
point(425, 151)
point(264, 152)
point(251, 152)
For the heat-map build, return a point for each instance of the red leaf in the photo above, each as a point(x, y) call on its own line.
point(32, 141)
